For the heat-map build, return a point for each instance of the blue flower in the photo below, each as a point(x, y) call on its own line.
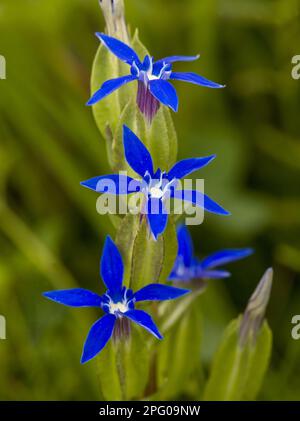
point(152, 77)
point(118, 302)
point(156, 186)
point(187, 267)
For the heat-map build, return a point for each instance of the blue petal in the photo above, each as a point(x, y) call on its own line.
point(111, 267)
point(211, 274)
point(159, 292)
point(157, 216)
point(119, 49)
point(185, 246)
point(113, 184)
point(173, 59)
point(196, 79)
point(225, 256)
point(199, 199)
point(143, 319)
point(77, 297)
point(98, 337)
point(136, 153)
point(188, 166)
point(164, 92)
point(110, 86)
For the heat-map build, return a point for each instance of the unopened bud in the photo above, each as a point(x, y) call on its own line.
point(256, 308)
point(113, 11)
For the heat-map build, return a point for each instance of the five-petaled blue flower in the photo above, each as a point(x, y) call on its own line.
point(118, 302)
point(188, 267)
point(156, 186)
point(152, 77)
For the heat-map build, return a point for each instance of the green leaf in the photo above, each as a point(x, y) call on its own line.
point(237, 372)
point(106, 111)
point(123, 367)
point(132, 118)
point(147, 258)
point(138, 47)
point(108, 373)
point(177, 364)
point(172, 312)
point(126, 234)
point(170, 248)
point(172, 136)
point(161, 139)
point(136, 358)
point(152, 261)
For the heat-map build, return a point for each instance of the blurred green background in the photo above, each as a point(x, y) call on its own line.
point(50, 233)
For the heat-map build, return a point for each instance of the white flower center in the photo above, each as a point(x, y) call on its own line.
point(120, 307)
point(150, 76)
point(156, 192)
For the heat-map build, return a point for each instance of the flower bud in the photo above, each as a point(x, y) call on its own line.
point(256, 308)
point(113, 12)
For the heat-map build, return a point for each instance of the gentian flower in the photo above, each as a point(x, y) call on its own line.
point(118, 302)
point(187, 267)
point(152, 77)
point(156, 186)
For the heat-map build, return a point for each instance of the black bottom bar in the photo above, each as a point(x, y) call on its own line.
point(131, 410)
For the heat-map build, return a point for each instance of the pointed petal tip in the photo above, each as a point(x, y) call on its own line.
point(175, 107)
point(185, 291)
point(109, 242)
point(99, 35)
point(248, 251)
point(108, 239)
point(218, 86)
point(223, 212)
point(211, 158)
point(126, 129)
point(85, 184)
point(83, 360)
point(155, 236)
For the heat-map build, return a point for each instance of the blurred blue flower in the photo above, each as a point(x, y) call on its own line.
point(152, 77)
point(118, 302)
point(188, 267)
point(156, 186)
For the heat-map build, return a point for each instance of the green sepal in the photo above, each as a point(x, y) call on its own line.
point(136, 360)
point(178, 364)
point(237, 372)
point(147, 258)
point(125, 238)
point(108, 373)
point(152, 261)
